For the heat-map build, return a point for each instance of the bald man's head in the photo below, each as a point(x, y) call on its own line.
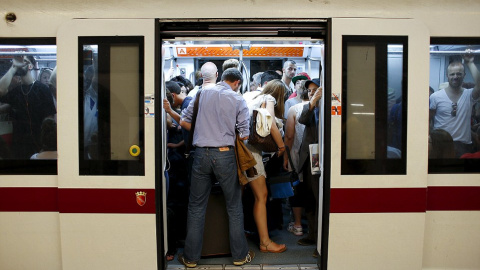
point(209, 71)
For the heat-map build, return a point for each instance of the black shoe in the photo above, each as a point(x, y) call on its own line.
point(247, 259)
point(183, 261)
point(306, 242)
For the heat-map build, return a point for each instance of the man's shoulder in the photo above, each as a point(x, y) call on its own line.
point(438, 93)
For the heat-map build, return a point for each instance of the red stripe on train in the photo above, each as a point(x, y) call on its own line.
point(121, 201)
point(343, 200)
point(453, 199)
point(378, 200)
point(52, 199)
point(30, 199)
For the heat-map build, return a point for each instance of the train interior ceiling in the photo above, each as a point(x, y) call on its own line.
point(184, 58)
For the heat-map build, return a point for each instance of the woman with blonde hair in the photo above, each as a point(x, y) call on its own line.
point(272, 98)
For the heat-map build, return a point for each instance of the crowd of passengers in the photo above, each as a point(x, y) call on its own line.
point(292, 99)
point(28, 111)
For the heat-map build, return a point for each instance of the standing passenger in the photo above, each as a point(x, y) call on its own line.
point(221, 112)
point(272, 99)
point(451, 108)
point(310, 118)
point(289, 71)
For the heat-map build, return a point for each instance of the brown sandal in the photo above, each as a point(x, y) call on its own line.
point(264, 248)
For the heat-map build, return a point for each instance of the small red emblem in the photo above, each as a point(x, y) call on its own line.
point(141, 198)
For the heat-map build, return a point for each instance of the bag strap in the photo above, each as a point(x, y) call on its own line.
point(290, 158)
point(192, 126)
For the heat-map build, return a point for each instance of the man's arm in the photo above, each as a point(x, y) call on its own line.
point(308, 108)
point(4, 107)
point(468, 58)
point(243, 120)
point(168, 109)
point(289, 134)
point(431, 117)
point(6, 80)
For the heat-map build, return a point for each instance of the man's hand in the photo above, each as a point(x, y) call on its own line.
point(244, 138)
point(468, 57)
point(316, 97)
point(166, 106)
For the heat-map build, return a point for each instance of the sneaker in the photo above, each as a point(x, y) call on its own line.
point(183, 261)
point(247, 259)
point(306, 242)
point(296, 230)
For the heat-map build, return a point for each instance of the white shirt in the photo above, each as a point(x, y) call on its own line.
point(458, 126)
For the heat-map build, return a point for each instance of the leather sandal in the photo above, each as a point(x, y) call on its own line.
point(264, 248)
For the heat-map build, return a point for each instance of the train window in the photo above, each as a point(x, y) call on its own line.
point(454, 124)
point(374, 105)
point(111, 111)
point(28, 134)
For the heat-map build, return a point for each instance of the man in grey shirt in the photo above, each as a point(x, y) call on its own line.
point(221, 111)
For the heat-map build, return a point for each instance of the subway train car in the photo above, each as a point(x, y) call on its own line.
point(83, 149)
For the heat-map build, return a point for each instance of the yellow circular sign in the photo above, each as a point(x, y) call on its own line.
point(134, 150)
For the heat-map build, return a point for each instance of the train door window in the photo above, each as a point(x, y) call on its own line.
point(454, 135)
point(28, 134)
point(374, 104)
point(111, 98)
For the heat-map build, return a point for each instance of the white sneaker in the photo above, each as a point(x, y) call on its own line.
point(296, 230)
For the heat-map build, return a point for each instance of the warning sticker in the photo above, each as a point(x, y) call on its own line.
point(181, 51)
point(149, 106)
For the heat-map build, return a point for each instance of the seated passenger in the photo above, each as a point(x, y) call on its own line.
point(440, 145)
point(476, 137)
point(49, 140)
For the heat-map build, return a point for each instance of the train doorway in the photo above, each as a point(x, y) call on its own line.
point(257, 47)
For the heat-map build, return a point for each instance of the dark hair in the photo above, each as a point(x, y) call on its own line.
point(231, 75)
point(173, 87)
point(303, 91)
point(48, 135)
point(442, 145)
point(31, 59)
point(169, 97)
point(187, 83)
point(269, 75)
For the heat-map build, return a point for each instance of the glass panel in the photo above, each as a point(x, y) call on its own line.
point(124, 105)
point(28, 129)
point(111, 119)
point(394, 98)
point(454, 136)
point(361, 96)
point(374, 94)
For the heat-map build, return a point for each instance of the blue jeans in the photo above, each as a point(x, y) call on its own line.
point(209, 162)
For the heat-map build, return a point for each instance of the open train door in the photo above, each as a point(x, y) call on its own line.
point(378, 176)
point(106, 173)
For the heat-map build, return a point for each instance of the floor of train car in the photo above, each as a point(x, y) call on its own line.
point(296, 256)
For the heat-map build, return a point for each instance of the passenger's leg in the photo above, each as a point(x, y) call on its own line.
point(259, 189)
point(225, 168)
point(311, 205)
point(199, 192)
